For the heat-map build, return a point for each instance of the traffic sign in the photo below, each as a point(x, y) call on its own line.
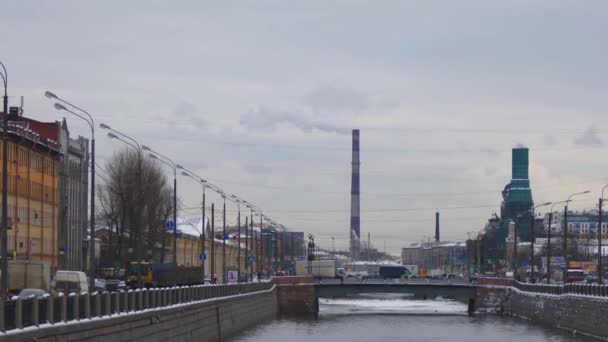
point(251, 259)
point(203, 257)
point(169, 224)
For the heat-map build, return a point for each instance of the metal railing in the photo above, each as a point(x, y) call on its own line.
point(558, 289)
point(377, 281)
point(19, 313)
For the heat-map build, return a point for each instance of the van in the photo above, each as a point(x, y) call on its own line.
point(70, 281)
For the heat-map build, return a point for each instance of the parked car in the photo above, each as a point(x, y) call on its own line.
point(100, 284)
point(31, 293)
point(575, 276)
point(70, 281)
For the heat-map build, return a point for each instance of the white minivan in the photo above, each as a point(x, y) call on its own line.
point(70, 281)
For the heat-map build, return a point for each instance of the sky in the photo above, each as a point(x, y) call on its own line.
point(260, 97)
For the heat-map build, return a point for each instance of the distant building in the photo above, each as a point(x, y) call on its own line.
point(74, 190)
point(580, 224)
point(437, 258)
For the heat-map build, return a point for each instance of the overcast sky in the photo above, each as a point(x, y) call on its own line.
point(260, 97)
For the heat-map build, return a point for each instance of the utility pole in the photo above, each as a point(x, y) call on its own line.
point(4, 242)
point(549, 247)
point(599, 242)
point(565, 242)
point(224, 242)
point(212, 241)
point(369, 244)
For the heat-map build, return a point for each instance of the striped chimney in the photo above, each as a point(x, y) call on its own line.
point(355, 219)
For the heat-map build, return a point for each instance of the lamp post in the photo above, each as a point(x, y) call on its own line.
point(124, 138)
point(565, 242)
point(533, 237)
point(258, 257)
point(165, 160)
point(4, 242)
point(549, 241)
point(223, 195)
point(89, 120)
point(204, 185)
point(599, 239)
point(238, 258)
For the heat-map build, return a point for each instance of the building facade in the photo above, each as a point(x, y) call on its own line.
point(33, 183)
point(74, 190)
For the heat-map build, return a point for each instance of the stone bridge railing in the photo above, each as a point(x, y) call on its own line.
point(556, 289)
point(412, 281)
point(18, 313)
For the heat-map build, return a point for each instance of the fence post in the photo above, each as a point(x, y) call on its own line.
point(146, 295)
point(50, 309)
point(76, 306)
point(140, 298)
point(125, 299)
point(35, 311)
point(19, 313)
point(98, 311)
point(107, 311)
point(64, 307)
point(2, 326)
point(131, 295)
point(87, 305)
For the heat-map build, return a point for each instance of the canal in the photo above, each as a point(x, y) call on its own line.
point(390, 318)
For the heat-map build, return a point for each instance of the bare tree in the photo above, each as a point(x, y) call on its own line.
point(121, 202)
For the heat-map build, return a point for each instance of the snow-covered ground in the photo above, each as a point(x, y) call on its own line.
point(382, 304)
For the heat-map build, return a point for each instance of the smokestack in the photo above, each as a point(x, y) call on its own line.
point(437, 227)
point(355, 219)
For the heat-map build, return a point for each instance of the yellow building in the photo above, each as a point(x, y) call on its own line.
point(33, 160)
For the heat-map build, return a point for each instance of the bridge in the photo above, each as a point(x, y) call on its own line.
point(458, 289)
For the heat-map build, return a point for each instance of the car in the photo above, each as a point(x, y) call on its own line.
point(112, 284)
point(100, 284)
point(31, 293)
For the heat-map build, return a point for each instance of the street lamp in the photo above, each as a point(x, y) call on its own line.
point(258, 252)
point(167, 161)
point(4, 266)
point(124, 138)
point(238, 204)
point(599, 239)
point(549, 240)
point(204, 185)
point(89, 120)
point(533, 236)
point(565, 242)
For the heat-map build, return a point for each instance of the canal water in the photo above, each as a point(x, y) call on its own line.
point(388, 318)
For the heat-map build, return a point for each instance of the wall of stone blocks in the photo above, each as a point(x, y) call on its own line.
point(207, 320)
point(583, 314)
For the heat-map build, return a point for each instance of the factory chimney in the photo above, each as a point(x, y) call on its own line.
point(437, 227)
point(355, 219)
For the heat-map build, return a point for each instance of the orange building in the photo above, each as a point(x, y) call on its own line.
point(33, 161)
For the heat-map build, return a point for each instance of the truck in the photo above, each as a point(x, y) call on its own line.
point(163, 274)
point(28, 275)
point(319, 268)
point(395, 272)
point(413, 269)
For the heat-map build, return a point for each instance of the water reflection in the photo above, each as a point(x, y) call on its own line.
point(378, 318)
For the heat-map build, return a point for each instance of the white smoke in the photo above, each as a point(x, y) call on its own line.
point(266, 119)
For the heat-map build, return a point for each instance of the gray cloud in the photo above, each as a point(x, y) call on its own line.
point(590, 137)
point(267, 119)
point(338, 99)
point(186, 113)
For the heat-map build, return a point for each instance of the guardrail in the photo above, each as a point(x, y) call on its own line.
point(411, 281)
point(19, 313)
point(556, 289)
